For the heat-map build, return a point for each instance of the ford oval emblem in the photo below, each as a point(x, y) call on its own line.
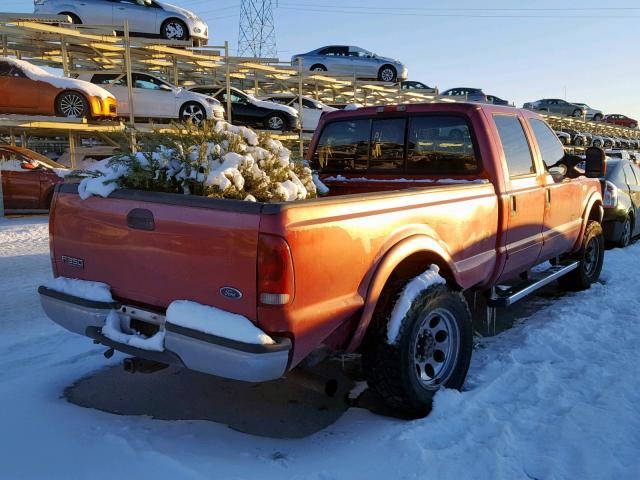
point(230, 292)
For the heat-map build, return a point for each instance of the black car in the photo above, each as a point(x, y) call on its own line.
point(621, 196)
point(497, 100)
point(248, 110)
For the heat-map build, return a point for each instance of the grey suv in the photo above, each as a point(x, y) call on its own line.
point(146, 17)
point(349, 60)
point(556, 105)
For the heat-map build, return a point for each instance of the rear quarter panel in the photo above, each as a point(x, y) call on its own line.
point(338, 244)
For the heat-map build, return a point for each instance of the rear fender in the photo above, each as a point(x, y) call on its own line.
point(415, 245)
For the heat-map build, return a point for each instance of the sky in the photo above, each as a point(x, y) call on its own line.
point(520, 51)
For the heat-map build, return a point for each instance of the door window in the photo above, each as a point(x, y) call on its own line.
point(8, 70)
point(146, 82)
point(112, 79)
point(515, 146)
point(551, 149)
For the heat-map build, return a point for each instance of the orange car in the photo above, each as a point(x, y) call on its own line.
point(27, 89)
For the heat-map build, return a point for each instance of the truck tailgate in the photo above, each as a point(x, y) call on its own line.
point(152, 252)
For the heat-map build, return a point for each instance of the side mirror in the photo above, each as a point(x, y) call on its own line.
point(595, 164)
point(28, 166)
point(165, 88)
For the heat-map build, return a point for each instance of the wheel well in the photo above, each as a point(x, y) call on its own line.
point(596, 212)
point(72, 15)
point(194, 102)
point(417, 263)
point(315, 65)
point(388, 65)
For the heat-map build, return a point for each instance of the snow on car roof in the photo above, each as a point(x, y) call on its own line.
point(38, 74)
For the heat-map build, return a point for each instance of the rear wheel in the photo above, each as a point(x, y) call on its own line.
point(387, 74)
point(193, 112)
point(318, 68)
point(577, 113)
point(72, 105)
point(432, 349)
point(597, 117)
point(174, 29)
point(633, 125)
point(590, 258)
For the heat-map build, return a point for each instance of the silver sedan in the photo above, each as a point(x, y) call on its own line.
point(349, 60)
point(146, 17)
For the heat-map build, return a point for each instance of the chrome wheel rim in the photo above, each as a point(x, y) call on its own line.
point(577, 114)
point(275, 123)
point(387, 75)
point(174, 30)
point(591, 255)
point(317, 69)
point(193, 113)
point(626, 233)
point(72, 105)
point(435, 348)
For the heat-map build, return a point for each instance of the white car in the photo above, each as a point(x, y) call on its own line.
point(312, 109)
point(592, 113)
point(156, 98)
point(146, 17)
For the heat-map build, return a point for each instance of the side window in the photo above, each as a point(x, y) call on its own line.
point(308, 104)
point(387, 144)
point(550, 147)
point(343, 146)
point(440, 145)
point(515, 146)
point(145, 82)
point(102, 79)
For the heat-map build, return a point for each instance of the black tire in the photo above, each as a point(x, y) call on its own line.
point(174, 29)
point(577, 113)
point(626, 233)
point(391, 370)
point(597, 117)
point(275, 121)
point(74, 18)
point(193, 112)
point(633, 125)
point(72, 104)
point(590, 258)
point(318, 67)
point(578, 142)
point(387, 73)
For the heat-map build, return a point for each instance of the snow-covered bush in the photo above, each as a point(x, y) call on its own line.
point(216, 160)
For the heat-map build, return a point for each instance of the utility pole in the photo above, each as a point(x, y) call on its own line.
point(257, 36)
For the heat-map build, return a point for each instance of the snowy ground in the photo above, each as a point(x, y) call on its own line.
point(556, 397)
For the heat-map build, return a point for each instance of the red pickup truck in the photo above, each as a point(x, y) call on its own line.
point(426, 203)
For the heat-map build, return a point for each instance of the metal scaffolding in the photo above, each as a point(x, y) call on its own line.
point(257, 37)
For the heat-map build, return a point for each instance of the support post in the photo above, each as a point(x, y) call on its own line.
point(228, 81)
point(12, 137)
point(72, 150)
point(176, 73)
point(300, 114)
point(5, 48)
point(127, 61)
point(65, 56)
point(256, 84)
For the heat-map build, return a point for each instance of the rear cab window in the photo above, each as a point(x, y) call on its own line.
point(429, 144)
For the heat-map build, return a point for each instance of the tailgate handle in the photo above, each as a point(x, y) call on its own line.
point(141, 219)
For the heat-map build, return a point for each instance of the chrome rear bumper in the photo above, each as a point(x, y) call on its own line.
point(192, 349)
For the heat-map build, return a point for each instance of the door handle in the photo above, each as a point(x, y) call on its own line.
point(548, 193)
point(514, 205)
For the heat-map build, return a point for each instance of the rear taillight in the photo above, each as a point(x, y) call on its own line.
point(275, 271)
point(610, 194)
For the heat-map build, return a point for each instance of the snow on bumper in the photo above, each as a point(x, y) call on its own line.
point(187, 347)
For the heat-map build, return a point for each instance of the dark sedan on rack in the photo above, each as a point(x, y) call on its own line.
point(621, 198)
point(252, 112)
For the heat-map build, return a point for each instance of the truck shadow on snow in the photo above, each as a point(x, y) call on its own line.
point(283, 408)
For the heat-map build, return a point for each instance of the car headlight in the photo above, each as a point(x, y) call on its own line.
point(211, 101)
